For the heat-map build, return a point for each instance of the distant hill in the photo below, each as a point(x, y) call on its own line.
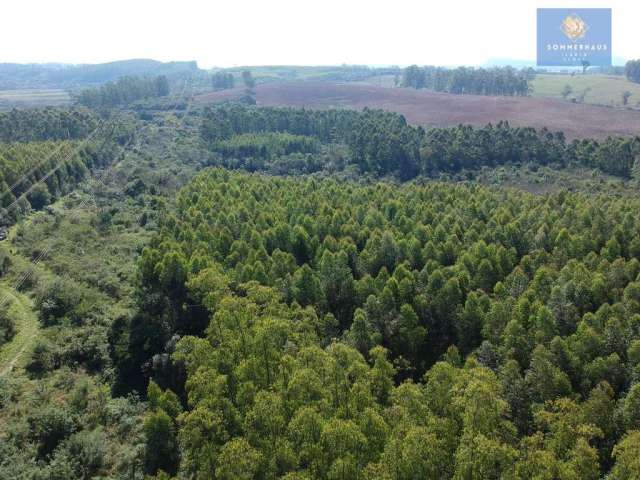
point(331, 73)
point(509, 62)
point(55, 75)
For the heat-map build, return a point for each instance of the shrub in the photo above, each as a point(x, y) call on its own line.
point(43, 358)
point(7, 326)
point(59, 300)
point(5, 261)
point(48, 427)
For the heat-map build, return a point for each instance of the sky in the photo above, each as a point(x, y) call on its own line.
point(289, 32)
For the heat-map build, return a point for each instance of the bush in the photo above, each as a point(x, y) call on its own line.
point(59, 300)
point(29, 275)
point(39, 196)
point(86, 451)
point(43, 358)
point(7, 326)
point(48, 427)
point(5, 261)
point(86, 346)
point(6, 390)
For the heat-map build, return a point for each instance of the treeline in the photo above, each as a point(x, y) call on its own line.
point(467, 147)
point(322, 329)
point(223, 122)
point(24, 165)
point(632, 70)
point(382, 143)
point(222, 81)
point(124, 91)
point(46, 124)
point(467, 80)
point(278, 153)
point(266, 145)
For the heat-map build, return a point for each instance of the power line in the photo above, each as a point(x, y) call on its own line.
point(45, 252)
point(42, 162)
point(30, 172)
point(53, 170)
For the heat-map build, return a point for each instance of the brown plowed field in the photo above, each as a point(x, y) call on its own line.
point(427, 108)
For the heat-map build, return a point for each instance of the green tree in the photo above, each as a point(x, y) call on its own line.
point(161, 445)
point(238, 461)
point(627, 457)
point(248, 80)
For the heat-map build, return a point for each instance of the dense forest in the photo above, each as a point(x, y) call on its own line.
point(465, 80)
point(46, 124)
point(318, 330)
point(124, 91)
point(339, 297)
point(382, 143)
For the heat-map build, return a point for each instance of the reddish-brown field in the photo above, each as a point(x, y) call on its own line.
point(427, 108)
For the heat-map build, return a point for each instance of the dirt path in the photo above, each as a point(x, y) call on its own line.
point(27, 326)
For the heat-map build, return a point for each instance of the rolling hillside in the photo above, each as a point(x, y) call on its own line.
point(428, 108)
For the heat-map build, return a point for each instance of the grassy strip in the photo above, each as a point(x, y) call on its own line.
point(14, 353)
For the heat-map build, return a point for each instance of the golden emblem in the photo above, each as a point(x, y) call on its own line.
point(574, 27)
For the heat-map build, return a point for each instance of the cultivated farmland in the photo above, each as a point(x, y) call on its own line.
point(32, 98)
point(429, 108)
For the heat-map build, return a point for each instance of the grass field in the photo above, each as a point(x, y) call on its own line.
point(32, 98)
point(600, 89)
point(14, 353)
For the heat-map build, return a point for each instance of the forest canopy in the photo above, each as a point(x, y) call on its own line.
point(327, 328)
point(320, 308)
point(383, 143)
point(46, 124)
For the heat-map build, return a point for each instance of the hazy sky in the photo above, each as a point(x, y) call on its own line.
point(278, 32)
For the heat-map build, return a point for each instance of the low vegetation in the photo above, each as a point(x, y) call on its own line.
point(33, 98)
point(607, 90)
point(58, 417)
